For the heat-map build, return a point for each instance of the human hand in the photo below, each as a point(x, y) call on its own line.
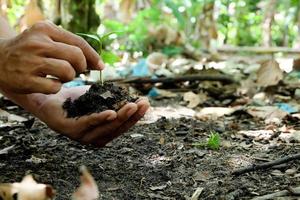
point(97, 129)
point(44, 49)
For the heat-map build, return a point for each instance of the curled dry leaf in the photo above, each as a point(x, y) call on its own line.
point(88, 189)
point(215, 112)
point(28, 189)
point(156, 60)
point(7, 191)
point(11, 117)
point(269, 74)
point(194, 99)
point(270, 114)
point(106, 95)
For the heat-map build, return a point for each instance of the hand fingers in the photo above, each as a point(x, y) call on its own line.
point(46, 85)
point(85, 123)
point(61, 69)
point(143, 106)
point(72, 54)
point(60, 35)
point(104, 130)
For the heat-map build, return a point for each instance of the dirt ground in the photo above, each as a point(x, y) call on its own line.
point(152, 161)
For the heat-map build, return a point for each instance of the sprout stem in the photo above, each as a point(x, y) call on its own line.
point(101, 78)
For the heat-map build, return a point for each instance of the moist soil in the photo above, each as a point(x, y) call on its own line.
point(97, 99)
point(151, 161)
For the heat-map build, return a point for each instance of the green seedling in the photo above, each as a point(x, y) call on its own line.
point(213, 142)
point(107, 56)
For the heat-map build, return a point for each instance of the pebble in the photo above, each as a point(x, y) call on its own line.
point(291, 171)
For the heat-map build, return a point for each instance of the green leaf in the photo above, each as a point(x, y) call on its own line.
point(106, 36)
point(109, 57)
point(176, 13)
point(92, 36)
point(113, 25)
point(214, 141)
point(172, 50)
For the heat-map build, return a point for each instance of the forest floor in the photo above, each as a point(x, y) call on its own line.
point(156, 160)
point(160, 158)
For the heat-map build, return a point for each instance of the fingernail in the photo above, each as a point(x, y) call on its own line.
point(100, 65)
point(142, 111)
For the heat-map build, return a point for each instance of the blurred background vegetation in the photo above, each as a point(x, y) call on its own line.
point(172, 26)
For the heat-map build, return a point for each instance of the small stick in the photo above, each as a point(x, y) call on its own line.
point(266, 165)
point(101, 78)
point(279, 194)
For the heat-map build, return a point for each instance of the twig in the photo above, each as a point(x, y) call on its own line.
point(263, 50)
point(278, 194)
point(266, 165)
point(197, 193)
point(199, 77)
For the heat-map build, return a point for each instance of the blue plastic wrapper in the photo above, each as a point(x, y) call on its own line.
point(141, 69)
point(286, 107)
point(153, 92)
point(74, 83)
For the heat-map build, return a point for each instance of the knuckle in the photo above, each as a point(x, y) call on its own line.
point(68, 72)
point(53, 88)
point(36, 44)
point(28, 86)
point(81, 42)
point(80, 59)
point(41, 26)
point(78, 51)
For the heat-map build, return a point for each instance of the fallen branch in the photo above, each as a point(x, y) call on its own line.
point(262, 50)
point(266, 165)
point(282, 193)
point(199, 77)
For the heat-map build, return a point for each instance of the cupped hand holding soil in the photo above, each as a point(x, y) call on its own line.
point(97, 129)
point(97, 99)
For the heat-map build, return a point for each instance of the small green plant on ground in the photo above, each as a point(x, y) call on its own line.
point(213, 142)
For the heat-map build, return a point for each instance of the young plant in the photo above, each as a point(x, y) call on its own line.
point(107, 56)
point(213, 142)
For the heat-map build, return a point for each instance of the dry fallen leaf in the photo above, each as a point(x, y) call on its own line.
point(269, 73)
point(215, 112)
point(12, 117)
point(88, 189)
point(194, 99)
point(5, 150)
point(270, 114)
point(28, 189)
point(7, 191)
point(165, 93)
point(156, 60)
point(106, 95)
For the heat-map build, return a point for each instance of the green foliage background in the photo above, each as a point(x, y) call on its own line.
point(239, 22)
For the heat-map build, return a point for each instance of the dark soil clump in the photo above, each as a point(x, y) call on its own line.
point(97, 99)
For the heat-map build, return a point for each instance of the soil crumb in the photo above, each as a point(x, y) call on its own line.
point(97, 99)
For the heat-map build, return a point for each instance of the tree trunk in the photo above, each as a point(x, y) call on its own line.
point(127, 8)
point(79, 16)
point(270, 10)
point(3, 8)
point(297, 45)
point(206, 25)
point(51, 10)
